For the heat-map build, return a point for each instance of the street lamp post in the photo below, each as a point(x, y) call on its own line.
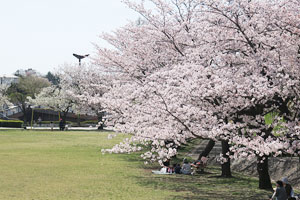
point(79, 57)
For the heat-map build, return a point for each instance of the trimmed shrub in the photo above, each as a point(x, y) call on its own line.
point(90, 122)
point(55, 122)
point(11, 123)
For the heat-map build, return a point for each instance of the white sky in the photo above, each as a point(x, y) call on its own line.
point(43, 34)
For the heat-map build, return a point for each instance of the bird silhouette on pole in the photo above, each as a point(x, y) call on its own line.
point(79, 57)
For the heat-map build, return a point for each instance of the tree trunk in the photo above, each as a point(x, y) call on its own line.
point(64, 117)
point(263, 173)
point(210, 145)
point(226, 171)
point(78, 119)
point(24, 111)
point(100, 120)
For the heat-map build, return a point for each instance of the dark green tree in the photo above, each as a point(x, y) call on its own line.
point(54, 79)
point(27, 86)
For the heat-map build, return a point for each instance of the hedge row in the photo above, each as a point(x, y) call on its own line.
point(90, 122)
point(11, 123)
point(69, 122)
point(19, 123)
point(54, 122)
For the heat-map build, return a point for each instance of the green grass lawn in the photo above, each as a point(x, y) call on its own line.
point(40, 165)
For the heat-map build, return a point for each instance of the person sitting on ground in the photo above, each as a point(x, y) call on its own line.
point(280, 193)
point(166, 169)
point(288, 188)
point(166, 163)
point(195, 166)
point(186, 167)
point(170, 169)
point(177, 169)
point(199, 164)
point(163, 170)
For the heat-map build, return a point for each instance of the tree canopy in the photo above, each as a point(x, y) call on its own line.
point(27, 86)
point(207, 69)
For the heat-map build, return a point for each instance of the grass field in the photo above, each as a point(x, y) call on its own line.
point(40, 165)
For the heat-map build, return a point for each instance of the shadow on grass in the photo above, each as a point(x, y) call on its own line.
point(204, 186)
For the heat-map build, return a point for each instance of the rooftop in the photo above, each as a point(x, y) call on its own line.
point(8, 76)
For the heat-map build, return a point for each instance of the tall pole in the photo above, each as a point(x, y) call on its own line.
point(79, 57)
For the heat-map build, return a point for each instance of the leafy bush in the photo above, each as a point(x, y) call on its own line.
point(11, 123)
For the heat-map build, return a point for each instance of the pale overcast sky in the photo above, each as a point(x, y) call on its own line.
point(43, 34)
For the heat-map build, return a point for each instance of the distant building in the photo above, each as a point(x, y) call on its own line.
point(26, 72)
point(10, 110)
point(8, 80)
point(31, 72)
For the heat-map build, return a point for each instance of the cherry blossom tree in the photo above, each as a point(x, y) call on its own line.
point(258, 46)
point(55, 98)
point(86, 85)
point(208, 69)
point(165, 51)
point(80, 90)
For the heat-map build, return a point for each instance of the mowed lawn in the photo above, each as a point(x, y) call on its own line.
point(40, 165)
